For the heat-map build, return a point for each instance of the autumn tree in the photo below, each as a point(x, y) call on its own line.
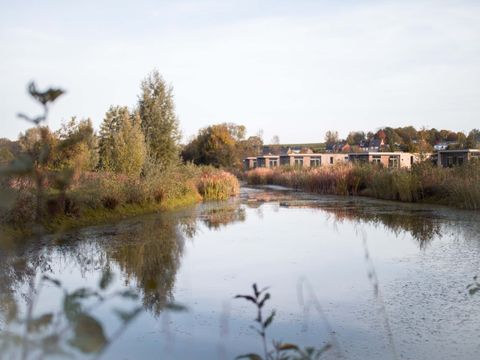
point(77, 145)
point(122, 144)
point(250, 147)
point(159, 122)
point(39, 144)
point(216, 145)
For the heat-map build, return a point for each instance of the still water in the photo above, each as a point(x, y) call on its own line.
point(374, 279)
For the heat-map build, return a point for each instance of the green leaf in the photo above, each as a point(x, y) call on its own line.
point(176, 307)
point(246, 297)
point(107, 277)
point(88, 334)
point(269, 320)
point(250, 356)
point(286, 346)
point(44, 97)
point(265, 298)
point(473, 290)
point(129, 294)
point(55, 282)
point(51, 346)
point(37, 324)
point(127, 316)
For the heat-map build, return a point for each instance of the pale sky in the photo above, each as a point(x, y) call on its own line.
point(291, 68)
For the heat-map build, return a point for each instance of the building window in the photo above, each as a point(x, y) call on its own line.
point(411, 160)
point(298, 162)
point(376, 159)
point(450, 161)
point(393, 162)
point(273, 163)
point(331, 159)
point(315, 161)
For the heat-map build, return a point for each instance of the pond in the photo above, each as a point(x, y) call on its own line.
point(372, 279)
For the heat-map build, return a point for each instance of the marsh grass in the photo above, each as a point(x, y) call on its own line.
point(215, 184)
point(458, 186)
point(100, 197)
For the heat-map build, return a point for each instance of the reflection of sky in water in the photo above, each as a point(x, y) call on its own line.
point(275, 239)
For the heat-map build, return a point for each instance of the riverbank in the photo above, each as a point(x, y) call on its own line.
point(98, 198)
point(458, 187)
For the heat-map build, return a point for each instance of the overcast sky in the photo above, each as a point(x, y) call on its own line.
point(291, 68)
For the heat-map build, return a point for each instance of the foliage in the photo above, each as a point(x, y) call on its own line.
point(217, 184)
point(159, 122)
point(122, 146)
point(73, 329)
point(458, 186)
point(331, 137)
point(216, 145)
point(250, 147)
point(280, 350)
point(77, 146)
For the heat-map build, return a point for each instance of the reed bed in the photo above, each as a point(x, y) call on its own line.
point(458, 186)
point(217, 185)
point(99, 195)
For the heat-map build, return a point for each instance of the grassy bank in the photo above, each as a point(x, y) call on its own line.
point(100, 197)
point(458, 186)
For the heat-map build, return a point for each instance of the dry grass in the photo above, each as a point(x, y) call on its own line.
point(459, 187)
point(216, 184)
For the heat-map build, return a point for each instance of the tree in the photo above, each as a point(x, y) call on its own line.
point(355, 137)
point(250, 147)
point(331, 137)
point(39, 144)
point(122, 144)
point(159, 122)
point(275, 145)
point(6, 156)
point(77, 147)
point(473, 139)
point(214, 145)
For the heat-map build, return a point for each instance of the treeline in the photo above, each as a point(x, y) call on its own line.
point(129, 142)
point(226, 145)
point(408, 138)
point(133, 165)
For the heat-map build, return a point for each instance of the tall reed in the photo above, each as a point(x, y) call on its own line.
point(459, 186)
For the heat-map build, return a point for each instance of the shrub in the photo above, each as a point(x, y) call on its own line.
point(217, 185)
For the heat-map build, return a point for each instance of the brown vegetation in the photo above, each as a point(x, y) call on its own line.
point(458, 186)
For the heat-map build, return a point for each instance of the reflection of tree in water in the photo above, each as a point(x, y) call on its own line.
point(422, 228)
point(216, 215)
point(18, 266)
point(422, 225)
point(149, 255)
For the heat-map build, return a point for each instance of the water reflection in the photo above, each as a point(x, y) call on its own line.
point(217, 215)
point(149, 254)
point(145, 254)
point(422, 222)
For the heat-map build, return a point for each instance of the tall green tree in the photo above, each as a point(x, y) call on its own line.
point(122, 144)
point(158, 120)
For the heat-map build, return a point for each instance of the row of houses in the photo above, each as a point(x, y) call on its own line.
point(308, 158)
